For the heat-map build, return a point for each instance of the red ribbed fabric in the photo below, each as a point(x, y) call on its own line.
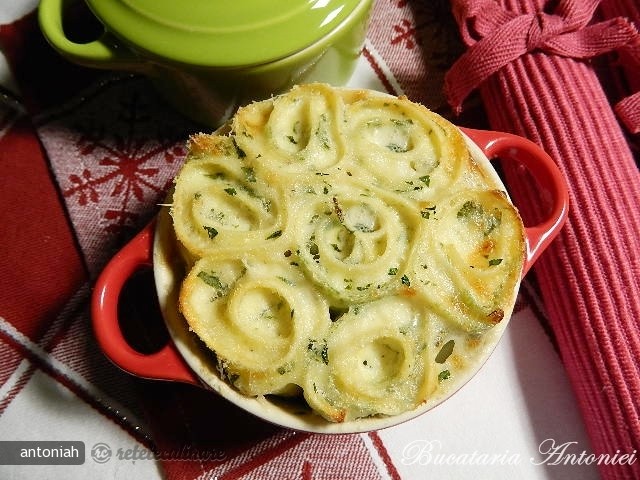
point(590, 276)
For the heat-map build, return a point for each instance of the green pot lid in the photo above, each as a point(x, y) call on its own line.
point(222, 33)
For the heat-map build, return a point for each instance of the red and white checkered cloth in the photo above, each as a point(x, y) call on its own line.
point(84, 169)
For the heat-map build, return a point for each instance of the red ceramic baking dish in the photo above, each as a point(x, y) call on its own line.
point(183, 358)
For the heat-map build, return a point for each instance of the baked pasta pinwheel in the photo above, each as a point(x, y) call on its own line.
point(418, 143)
point(219, 202)
point(257, 317)
point(348, 240)
point(377, 361)
point(343, 247)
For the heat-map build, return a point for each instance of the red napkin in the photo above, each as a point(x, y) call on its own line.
point(528, 58)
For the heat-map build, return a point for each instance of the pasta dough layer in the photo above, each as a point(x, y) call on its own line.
point(344, 247)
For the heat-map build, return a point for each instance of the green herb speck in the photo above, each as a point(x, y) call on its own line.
point(211, 279)
point(319, 350)
point(445, 351)
point(239, 151)
point(212, 232)
point(249, 174)
point(394, 147)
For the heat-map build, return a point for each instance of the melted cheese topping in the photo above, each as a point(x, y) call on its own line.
point(343, 246)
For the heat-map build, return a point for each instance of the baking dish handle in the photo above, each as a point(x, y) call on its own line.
point(547, 175)
point(167, 363)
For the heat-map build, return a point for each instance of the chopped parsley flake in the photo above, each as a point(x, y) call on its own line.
point(322, 134)
point(249, 174)
point(287, 281)
point(444, 375)
point(427, 212)
point(313, 249)
point(394, 147)
point(405, 280)
point(402, 123)
point(211, 279)
point(239, 151)
point(212, 232)
point(286, 368)
point(319, 349)
point(470, 209)
point(495, 261)
point(215, 175)
point(361, 227)
point(231, 191)
point(445, 351)
point(476, 213)
point(393, 271)
point(275, 234)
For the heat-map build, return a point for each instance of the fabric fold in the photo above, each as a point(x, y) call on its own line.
point(497, 37)
point(628, 62)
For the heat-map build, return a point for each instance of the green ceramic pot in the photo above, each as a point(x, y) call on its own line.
point(207, 57)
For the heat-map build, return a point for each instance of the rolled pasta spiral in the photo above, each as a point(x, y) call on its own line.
point(377, 362)
point(426, 156)
point(256, 316)
point(473, 261)
point(351, 241)
point(299, 132)
point(219, 202)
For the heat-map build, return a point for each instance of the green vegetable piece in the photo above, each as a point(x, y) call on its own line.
point(249, 174)
point(445, 351)
point(212, 232)
point(319, 350)
point(211, 279)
